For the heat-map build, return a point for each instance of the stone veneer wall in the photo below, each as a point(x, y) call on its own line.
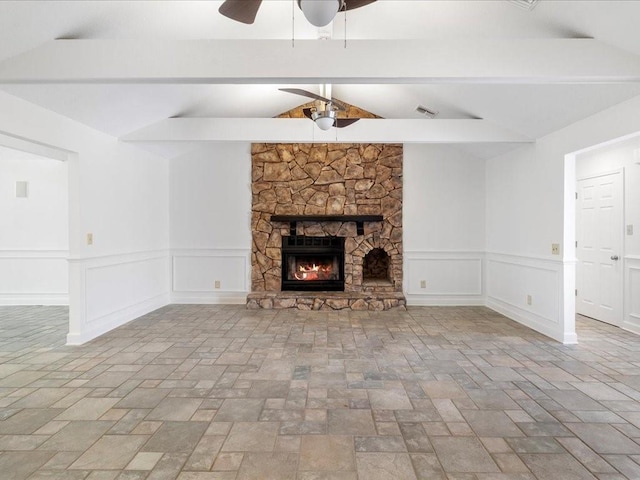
point(327, 179)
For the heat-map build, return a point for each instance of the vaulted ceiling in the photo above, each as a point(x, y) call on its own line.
point(171, 75)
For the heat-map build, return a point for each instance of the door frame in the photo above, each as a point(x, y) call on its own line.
point(568, 309)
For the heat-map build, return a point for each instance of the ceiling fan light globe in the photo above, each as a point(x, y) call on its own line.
point(320, 12)
point(324, 119)
point(325, 123)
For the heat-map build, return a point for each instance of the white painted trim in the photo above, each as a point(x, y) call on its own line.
point(81, 327)
point(34, 298)
point(297, 130)
point(209, 298)
point(214, 297)
point(117, 257)
point(528, 319)
point(31, 146)
point(273, 61)
point(631, 319)
point(34, 253)
point(449, 298)
point(38, 298)
point(428, 300)
point(552, 327)
point(614, 171)
point(117, 318)
point(532, 260)
point(429, 254)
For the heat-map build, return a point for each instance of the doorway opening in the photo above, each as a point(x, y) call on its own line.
point(600, 227)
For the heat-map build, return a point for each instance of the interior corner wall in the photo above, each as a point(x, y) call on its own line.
point(527, 208)
point(34, 231)
point(210, 205)
point(118, 193)
point(444, 226)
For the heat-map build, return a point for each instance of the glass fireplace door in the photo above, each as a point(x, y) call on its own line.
point(317, 264)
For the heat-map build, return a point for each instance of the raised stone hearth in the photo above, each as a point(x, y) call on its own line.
point(312, 180)
point(327, 300)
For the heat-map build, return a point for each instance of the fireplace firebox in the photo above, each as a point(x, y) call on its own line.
point(312, 263)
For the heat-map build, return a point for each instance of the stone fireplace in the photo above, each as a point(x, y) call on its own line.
point(327, 226)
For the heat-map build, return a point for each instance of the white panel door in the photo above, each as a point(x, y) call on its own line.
point(599, 229)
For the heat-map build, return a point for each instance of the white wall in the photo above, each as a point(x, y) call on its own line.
point(34, 238)
point(622, 154)
point(530, 205)
point(210, 206)
point(444, 225)
point(119, 194)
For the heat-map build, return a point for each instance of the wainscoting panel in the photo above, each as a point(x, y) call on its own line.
point(116, 289)
point(34, 277)
point(631, 319)
point(195, 272)
point(528, 290)
point(449, 278)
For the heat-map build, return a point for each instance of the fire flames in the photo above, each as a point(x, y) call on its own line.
point(313, 271)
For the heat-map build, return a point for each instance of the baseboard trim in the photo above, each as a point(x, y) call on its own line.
point(414, 300)
point(101, 325)
point(530, 320)
point(209, 298)
point(16, 299)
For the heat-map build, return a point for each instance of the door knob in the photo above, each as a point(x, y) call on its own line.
point(614, 257)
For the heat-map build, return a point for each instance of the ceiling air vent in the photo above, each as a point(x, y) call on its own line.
point(426, 112)
point(526, 4)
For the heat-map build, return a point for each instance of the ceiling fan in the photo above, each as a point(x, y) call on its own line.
point(317, 12)
point(327, 117)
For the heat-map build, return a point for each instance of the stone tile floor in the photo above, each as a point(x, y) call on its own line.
point(220, 392)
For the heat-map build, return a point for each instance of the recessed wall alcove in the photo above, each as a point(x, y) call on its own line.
point(376, 266)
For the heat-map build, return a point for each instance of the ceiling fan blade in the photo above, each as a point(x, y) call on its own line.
point(351, 4)
point(345, 122)
point(307, 112)
point(304, 93)
point(243, 11)
point(298, 91)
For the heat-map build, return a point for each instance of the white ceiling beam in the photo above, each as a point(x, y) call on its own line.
point(322, 61)
point(35, 148)
point(302, 130)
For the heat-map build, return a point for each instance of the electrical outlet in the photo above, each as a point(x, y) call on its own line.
point(89, 238)
point(423, 284)
point(629, 229)
point(529, 300)
point(216, 284)
point(555, 249)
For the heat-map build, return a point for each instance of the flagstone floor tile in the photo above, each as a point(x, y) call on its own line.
point(219, 392)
